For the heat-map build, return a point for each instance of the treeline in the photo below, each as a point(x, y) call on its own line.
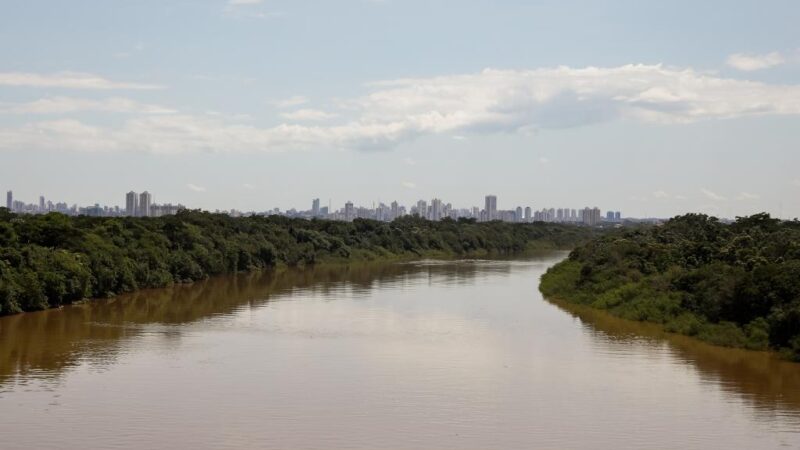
point(51, 260)
point(732, 284)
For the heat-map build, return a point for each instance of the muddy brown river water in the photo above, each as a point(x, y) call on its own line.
point(425, 355)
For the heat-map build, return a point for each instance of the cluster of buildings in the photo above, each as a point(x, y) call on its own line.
point(586, 216)
point(437, 209)
point(139, 205)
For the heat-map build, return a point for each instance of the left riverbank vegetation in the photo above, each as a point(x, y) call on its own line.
point(51, 260)
point(734, 284)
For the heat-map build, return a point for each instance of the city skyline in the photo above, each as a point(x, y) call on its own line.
point(660, 120)
point(140, 204)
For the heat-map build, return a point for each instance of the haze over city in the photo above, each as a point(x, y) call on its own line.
point(652, 109)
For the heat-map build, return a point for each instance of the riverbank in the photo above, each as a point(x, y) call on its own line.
point(51, 260)
point(734, 285)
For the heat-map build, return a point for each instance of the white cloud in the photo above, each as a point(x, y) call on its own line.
point(747, 196)
point(713, 195)
point(664, 195)
point(750, 62)
point(410, 161)
point(303, 115)
point(492, 101)
point(660, 194)
point(65, 105)
point(67, 80)
point(459, 137)
point(248, 186)
point(544, 160)
point(297, 100)
point(195, 187)
point(409, 184)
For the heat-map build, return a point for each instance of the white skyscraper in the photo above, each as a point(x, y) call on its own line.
point(145, 200)
point(422, 209)
point(315, 207)
point(132, 204)
point(491, 207)
point(349, 212)
point(436, 209)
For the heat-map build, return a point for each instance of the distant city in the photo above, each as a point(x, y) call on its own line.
point(136, 204)
point(142, 205)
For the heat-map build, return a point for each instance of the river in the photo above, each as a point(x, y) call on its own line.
point(424, 355)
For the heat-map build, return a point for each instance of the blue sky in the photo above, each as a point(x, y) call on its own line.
point(653, 108)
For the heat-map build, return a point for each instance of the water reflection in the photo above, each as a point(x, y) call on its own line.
point(44, 344)
point(760, 378)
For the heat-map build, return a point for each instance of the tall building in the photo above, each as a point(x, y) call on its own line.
point(349, 213)
point(315, 207)
point(10, 200)
point(518, 216)
point(436, 209)
point(491, 207)
point(145, 200)
point(422, 209)
point(132, 204)
point(395, 210)
point(528, 213)
point(591, 216)
point(618, 216)
point(41, 203)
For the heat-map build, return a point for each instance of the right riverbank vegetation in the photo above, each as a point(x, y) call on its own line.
point(52, 260)
point(735, 285)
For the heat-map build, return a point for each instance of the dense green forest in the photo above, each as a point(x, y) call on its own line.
point(51, 260)
point(732, 284)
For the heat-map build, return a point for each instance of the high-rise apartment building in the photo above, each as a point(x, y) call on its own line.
point(422, 209)
point(41, 203)
point(349, 212)
point(491, 207)
point(518, 217)
point(528, 212)
point(145, 200)
point(436, 209)
point(315, 207)
point(591, 216)
point(10, 200)
point(132, 204)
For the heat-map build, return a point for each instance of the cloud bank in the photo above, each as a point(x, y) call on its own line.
point(68, 105)
point(749, 62)
point(68, 80)
point(394, 111)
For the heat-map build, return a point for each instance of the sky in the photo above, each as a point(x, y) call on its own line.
point(648, 107)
